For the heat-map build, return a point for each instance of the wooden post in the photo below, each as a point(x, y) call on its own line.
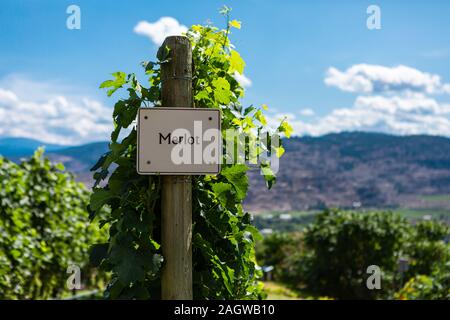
point(176, 202)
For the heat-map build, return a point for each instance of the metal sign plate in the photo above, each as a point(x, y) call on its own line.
point(178, 141)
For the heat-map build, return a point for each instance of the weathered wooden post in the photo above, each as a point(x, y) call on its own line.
point(176, 202)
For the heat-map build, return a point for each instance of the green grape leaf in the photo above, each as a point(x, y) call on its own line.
point(269, 176)
point(235, 24)
point(99, 198)
point(236, 62)
point(100, 161)
point(98, 253)
point(236, 175)
point(128, 264)
point(118, 81)
point(279, 151)
point(286, 128)
point(260, 117)
point(222, 191)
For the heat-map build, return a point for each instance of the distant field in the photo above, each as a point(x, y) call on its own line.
point(421, 213)
point(277, 291)
point(438, 198)
point(284, 221)
point(291, 221)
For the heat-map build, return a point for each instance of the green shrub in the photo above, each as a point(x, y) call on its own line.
point(332, 256)
point(431, 230)
point(425, 256)
point(340, 245)
point(428, 263)
point(426, 250)
point(422, 287)
point(274, 249)
point(44, 228)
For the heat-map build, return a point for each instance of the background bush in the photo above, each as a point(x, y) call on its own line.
point(426, 250)
point(275, 249)
point(433, 287)
point(330, 258)
point(44, 228)
point(343, 244)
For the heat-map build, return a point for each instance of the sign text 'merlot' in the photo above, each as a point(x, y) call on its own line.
point(169, 139)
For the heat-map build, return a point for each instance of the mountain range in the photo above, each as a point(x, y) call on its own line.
point(358, 170)
point(19, 147)
point(350, 169)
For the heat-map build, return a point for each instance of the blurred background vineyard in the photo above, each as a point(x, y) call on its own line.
point(369, 108)
point(44, 230)
point(312, 254)
point(329, 257)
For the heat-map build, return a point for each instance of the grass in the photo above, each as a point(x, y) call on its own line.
point(300, 219)
point(437, 198)
point(84, 294)
point(414, 214)
point(407, 213)
point(272, 220)
point(294, 214)
point(277, 291)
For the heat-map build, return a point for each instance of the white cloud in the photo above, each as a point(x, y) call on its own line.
point(392, 100)
point(307, 112)
point(242, 79)
point(51, 115)
point(347, 81)
point(7, 97)
point(159, 30)
point(366, 78)
point(446, 88)
point(408, 103)
point(408, 114)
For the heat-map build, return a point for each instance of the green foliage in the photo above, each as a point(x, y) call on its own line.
point(426, 250)
point(272, 250)
point(340, 245)
point(275, 249)
point(433, 287)
point(44, 228)
point(223, 237)
point(431, 230)
point(424, 256)
point(273, 220)
point(332, 255)
point(118, 82)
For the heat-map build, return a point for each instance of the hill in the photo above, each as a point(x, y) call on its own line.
point(358, 169)
point(344, 170)
point(16, 147)
point(80, 159)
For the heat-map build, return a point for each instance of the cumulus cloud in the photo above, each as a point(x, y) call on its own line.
point(7, 97)
point(159, 30)
point(366, 78)
point(243, 80)
point(409, 103)
point(409, 114)
point(307, 112)
point(396, 100)
point(52, 116)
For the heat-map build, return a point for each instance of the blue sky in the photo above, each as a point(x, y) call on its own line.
point(313, 61)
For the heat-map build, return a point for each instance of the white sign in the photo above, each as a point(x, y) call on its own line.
point(178, 141)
